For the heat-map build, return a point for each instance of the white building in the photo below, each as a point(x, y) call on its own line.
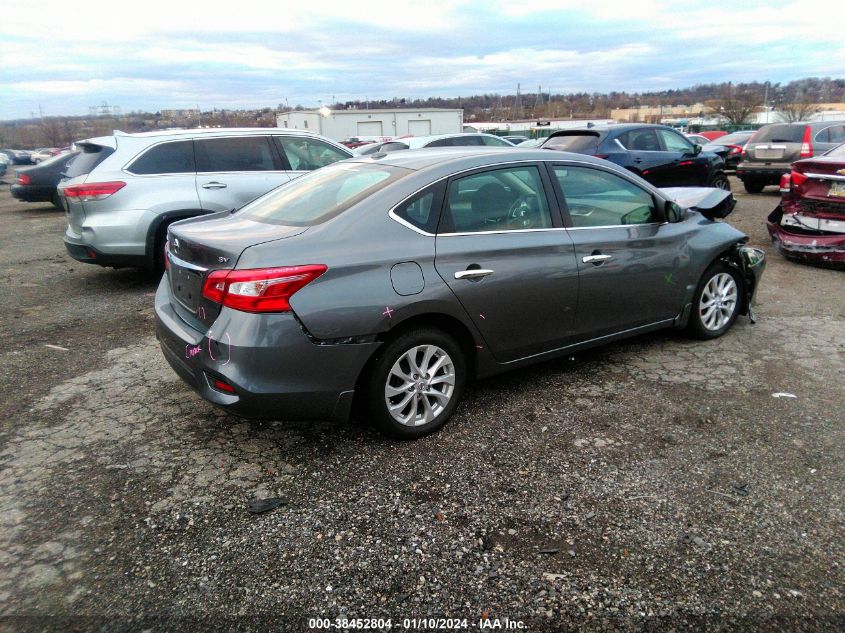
point(343, 124)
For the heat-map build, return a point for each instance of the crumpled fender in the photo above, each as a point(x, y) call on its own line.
point(708, 201)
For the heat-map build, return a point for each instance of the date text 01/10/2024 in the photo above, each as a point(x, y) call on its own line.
point(346, 624)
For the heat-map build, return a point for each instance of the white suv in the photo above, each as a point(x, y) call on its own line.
point(123, 191)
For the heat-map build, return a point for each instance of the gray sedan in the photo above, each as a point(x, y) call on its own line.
point(395, 280)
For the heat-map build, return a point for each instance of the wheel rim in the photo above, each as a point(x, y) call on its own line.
point(420, 385)
point(718, 301)
point(722, 183)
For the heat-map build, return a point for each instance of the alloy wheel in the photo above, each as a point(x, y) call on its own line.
point(419, 385)
point(718, 301)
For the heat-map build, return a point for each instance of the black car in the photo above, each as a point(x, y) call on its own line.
point(730, 147)
point(38, 183)
point(657, 153)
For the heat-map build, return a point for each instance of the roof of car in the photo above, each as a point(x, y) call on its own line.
point(469, 157)
point(419, 141)
point(213, 131)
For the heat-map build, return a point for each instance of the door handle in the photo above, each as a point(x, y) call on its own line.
point(596, 259)
point(638, 160)
point(473, 273)
point(214, 185)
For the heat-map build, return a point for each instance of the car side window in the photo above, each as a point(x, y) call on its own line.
point(508, 199)
point(644, 140)
point(423, 208)
point(832, 134)
point(235, 153)
point(675, 142)
point(306, 154)
point(166, 158)
point(597, 198)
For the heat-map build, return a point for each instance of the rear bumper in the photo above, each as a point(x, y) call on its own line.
point(276, 371)
point(816, 248)
point(89, 255)
point(761, 172)
point(33, 193)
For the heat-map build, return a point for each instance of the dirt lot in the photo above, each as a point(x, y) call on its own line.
point(666, 484)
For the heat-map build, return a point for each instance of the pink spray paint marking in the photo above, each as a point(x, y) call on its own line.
point(192, 350)
point(228, 349)
point(388, 312)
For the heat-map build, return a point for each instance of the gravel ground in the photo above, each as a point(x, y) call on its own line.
point(649, 485)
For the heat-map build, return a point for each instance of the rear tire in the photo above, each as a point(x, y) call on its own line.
point(716, 303)
point(720, 181)
point(416, 383)
point(753, 186)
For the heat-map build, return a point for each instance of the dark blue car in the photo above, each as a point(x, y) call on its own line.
point(657, 153)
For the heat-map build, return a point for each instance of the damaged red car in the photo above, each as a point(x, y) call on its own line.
point(809, 223)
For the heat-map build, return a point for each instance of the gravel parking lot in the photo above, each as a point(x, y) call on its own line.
point(651, 484)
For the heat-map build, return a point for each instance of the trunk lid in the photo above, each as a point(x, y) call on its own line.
point(825, 181)
point(201, 245)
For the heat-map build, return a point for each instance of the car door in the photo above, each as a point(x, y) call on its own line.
point(647, 157)
point(501, 249)
point(629, 260)
point(686, 167)
point(304, 154)
point(232, 170)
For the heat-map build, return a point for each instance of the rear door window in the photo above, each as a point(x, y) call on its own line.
point(306, 154)
point(166, 158)
point(236, 153)
point(499, 200)
point(644, 140)
point(87, 160)
point(422, 210)
point(832, 134)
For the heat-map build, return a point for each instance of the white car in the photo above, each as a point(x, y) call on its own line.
point(456, 140)
point(44, 153)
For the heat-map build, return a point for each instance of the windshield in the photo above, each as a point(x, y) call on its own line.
point(322, 194)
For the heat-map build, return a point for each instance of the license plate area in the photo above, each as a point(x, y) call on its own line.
point(772, 152)
point(186, 286)
point(837, 190)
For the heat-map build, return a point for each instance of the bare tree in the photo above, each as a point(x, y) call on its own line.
point(736, 104)
point(798, 107)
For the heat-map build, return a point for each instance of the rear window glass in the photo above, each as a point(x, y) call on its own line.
point(733, 139)
point(573, 142)
point(780, 134)
point(839, 151)
point(323, 194)
point(167, 158)
point(88, 159)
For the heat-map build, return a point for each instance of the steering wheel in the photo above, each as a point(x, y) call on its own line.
point(523, 213)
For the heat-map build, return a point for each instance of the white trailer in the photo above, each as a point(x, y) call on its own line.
point(386, 123)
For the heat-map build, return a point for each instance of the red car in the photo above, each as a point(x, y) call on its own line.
point(712, 135)
point(809, 223)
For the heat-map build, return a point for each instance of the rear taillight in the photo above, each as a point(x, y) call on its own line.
point(222, 385)
point(806, 145)
point(785, 183)
point(93, 191)
point(601, 155)
point(259, 289)
point(735, 149)
point(23, 179)
point(797, 178)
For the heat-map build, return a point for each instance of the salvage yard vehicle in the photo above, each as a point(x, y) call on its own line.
point(809, 223)
point(773, 148)
point(658, 153)
point(39, 183)
point(124, 190)
point(460, 139)
point(393, 280)
point(730, 147)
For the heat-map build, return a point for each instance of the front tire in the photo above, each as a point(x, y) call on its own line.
point(716, 302)
point(720, 181)
point(416, 383)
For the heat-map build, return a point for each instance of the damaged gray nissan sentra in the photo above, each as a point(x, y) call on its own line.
point(397, 278)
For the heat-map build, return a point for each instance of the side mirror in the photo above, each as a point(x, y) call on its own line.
point(674, 212)
point(696, 149)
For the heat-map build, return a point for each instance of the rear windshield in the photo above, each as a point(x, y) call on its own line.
point(87, 160)
point(582, 142)
point(838, 151)
point(322, 194)
point(780, 134)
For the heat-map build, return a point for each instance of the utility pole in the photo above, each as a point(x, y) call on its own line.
point(766, 101)
point(517, 106)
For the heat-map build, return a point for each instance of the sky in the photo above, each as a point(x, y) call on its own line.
point(61, 57)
